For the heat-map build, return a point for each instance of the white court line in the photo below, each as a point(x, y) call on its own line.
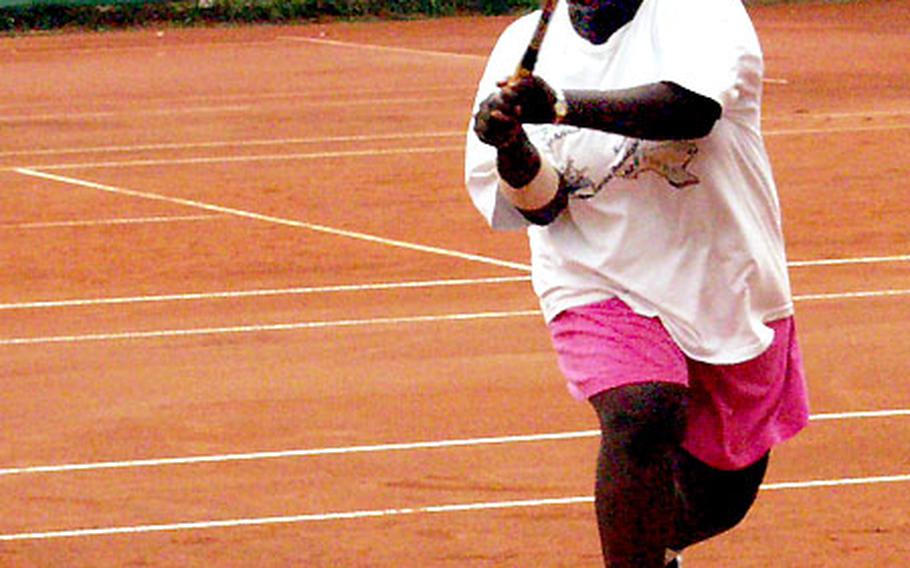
point(839, 115)
point(264, 292)
point(157, 46)
point(26, 118)
point(402, 285)
point(369, 138)
point(172, 333)
point(256, 98)
point(396, 512)
point(326, 324)
point(851, 295)
point(377, 152)
point(241, 159)
point(274, 220)
point(106, 222)
point(422, 52)
point(849, 261)
point(393, 49)
point(284, 454)
point(379, 448)
point(322, 517)
point(836, 130)
point(860, 414)
point(314, 140)
point(328, 102)
point(385, 286)
point(835, 482)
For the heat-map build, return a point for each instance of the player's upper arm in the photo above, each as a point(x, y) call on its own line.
point(710, 48)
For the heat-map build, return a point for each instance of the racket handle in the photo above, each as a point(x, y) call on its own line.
point(528, 62)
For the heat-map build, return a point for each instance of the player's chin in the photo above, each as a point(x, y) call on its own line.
point(585, 23)
point(597, 22)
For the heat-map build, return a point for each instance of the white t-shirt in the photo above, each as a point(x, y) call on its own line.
point(688, 231)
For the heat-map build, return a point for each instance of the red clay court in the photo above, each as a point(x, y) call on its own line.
point(248, 316)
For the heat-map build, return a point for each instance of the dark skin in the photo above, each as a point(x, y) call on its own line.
point(657, 111)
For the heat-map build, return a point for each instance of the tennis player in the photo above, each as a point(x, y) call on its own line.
point(634, 159)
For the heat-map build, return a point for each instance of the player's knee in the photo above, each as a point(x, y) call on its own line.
point(641, 421)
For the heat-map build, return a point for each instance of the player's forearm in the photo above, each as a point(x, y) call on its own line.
point(659, 111)
point(530, 183)
point(518, 162)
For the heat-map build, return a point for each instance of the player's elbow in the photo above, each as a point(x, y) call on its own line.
point(700, 128)
point(703, 119)
point(694, 115)
point(688, 126)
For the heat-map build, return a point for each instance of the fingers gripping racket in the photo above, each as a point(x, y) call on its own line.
point(526, 66)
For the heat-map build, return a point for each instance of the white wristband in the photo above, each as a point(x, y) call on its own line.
point(538, 193)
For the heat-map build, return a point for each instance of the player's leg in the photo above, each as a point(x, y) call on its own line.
point(606, 351)
point(711, 501)
point(642, 426)
point(735, 415)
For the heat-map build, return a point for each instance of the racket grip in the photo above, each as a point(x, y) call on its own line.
point(528, 62)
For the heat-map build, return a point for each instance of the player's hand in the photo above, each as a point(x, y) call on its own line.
point(496, 122)
point(524, 100)
point(531, 98)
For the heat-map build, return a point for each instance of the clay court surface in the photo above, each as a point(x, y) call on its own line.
point(248, 316)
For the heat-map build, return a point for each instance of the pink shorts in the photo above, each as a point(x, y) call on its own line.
point(736, 413)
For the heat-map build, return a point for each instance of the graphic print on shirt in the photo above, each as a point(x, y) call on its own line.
point(668, 159)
